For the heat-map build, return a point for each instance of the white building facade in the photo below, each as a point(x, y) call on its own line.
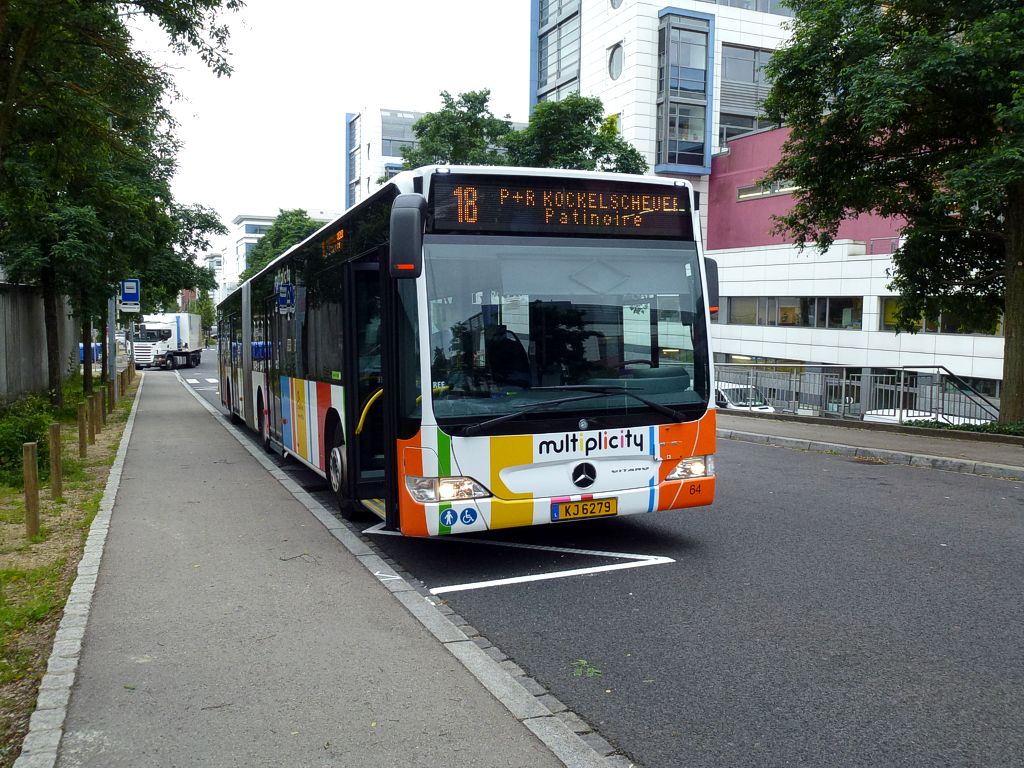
point(687, 81)
point(374, 139)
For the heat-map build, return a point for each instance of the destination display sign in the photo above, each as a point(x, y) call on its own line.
point(539, 205)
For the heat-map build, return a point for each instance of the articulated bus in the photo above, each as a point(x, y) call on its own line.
point(478, 348)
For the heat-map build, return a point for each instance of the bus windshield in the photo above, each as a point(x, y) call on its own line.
point(523, 324)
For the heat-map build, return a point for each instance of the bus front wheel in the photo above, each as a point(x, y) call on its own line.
point(337, 471)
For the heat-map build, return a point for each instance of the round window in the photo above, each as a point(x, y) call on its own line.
point(615, 61)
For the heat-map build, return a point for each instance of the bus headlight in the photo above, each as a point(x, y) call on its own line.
point(434, 489)
point(693, 467)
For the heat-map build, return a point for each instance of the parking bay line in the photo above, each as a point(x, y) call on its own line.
point(635, 561)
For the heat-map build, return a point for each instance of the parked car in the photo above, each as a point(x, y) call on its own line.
point(741, 397)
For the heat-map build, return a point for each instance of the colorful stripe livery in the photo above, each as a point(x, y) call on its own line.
point(526, 473)
point(305, 406)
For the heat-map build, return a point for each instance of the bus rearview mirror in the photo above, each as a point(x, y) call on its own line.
point(405, 259)
point(711, 269)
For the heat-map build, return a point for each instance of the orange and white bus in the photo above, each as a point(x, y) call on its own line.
point(477, 348)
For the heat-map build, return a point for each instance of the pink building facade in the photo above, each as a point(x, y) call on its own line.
point(781, 304)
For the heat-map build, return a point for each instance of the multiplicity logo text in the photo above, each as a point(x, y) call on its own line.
point(587, 444)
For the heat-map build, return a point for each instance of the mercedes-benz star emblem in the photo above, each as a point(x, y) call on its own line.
point(583, 475)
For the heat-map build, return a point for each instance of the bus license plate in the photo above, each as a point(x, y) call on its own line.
point(577, 510)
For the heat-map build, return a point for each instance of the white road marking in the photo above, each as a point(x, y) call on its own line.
point(635, 561)
point(213, 381)
point(192, 381)
point(204, 389)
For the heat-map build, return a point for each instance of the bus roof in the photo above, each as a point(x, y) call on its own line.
point(407, 181)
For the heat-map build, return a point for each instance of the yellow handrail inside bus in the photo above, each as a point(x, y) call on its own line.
point(376, 396)
point(366, 409)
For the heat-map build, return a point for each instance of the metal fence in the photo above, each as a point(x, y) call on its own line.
point(895, 395)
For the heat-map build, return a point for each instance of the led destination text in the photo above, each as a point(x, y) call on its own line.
point(469, 203)
point(591, 208)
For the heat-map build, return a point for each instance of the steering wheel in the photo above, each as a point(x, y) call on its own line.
point(638, 362)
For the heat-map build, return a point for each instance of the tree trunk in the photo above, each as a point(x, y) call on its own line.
point(1011, 404)
point(86, 351)
point(54, 367)
point(104, 360)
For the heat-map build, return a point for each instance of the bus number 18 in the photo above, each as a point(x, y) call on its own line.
point(467, 211)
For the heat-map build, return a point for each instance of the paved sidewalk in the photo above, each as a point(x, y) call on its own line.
point(234, 622)
point(938, 449)
point(229, 628)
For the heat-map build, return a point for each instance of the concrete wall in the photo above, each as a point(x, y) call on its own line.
point(23, 341)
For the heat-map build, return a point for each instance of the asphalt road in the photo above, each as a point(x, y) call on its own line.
point(824, 611)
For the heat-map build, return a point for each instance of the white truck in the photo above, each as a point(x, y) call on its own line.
point(173, 340)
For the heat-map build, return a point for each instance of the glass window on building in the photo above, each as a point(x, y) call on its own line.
point(743, 310)
point(615, 61)
point(946, 322)
point(683, 43)
point(737, 64)
point(688, 58)
point(558, 48)
point(808, 312)
point(845, 311)
point(685, 134)
point(789, 310)
point(777, 7)
point(730, 125)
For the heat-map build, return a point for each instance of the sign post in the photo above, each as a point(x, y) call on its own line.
point(129, 301)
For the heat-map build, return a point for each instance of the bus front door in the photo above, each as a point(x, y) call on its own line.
point(369, 434)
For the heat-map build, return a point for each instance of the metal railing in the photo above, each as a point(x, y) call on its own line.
point(895, 395)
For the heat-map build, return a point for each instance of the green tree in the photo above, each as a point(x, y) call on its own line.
point(204, 307)
point(462, 132)
point(915, 110)
point(288, 228)
point(573, 133)
point(87, 154)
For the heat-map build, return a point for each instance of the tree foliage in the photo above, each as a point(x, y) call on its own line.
point(915, 110)
point(573, 133)
point(204, 307)
point(462, 132)
point(288, 228)
point(87, 154)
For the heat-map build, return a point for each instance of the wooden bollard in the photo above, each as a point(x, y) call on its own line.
point(31, 474)
point(83, 431)
point(56, 464)
point(97, 406)
point(91, 408)
point(104, 407)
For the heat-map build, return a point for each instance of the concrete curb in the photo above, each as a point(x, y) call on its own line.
point(46, 727)
point(564, 743)
point(1000, 471)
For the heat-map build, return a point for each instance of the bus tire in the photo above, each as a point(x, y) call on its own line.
point(337, 477)
point(232, 416)
point(264, 427)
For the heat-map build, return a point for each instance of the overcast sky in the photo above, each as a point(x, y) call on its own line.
point(270, 136)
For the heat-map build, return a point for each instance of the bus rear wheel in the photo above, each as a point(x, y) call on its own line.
point(264, 426)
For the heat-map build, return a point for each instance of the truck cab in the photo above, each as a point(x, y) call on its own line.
point(168, 341)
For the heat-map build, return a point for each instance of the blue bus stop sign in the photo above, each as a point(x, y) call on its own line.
point(130, 291)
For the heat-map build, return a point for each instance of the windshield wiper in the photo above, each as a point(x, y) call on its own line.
point(613, 390)
point(473, 429)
